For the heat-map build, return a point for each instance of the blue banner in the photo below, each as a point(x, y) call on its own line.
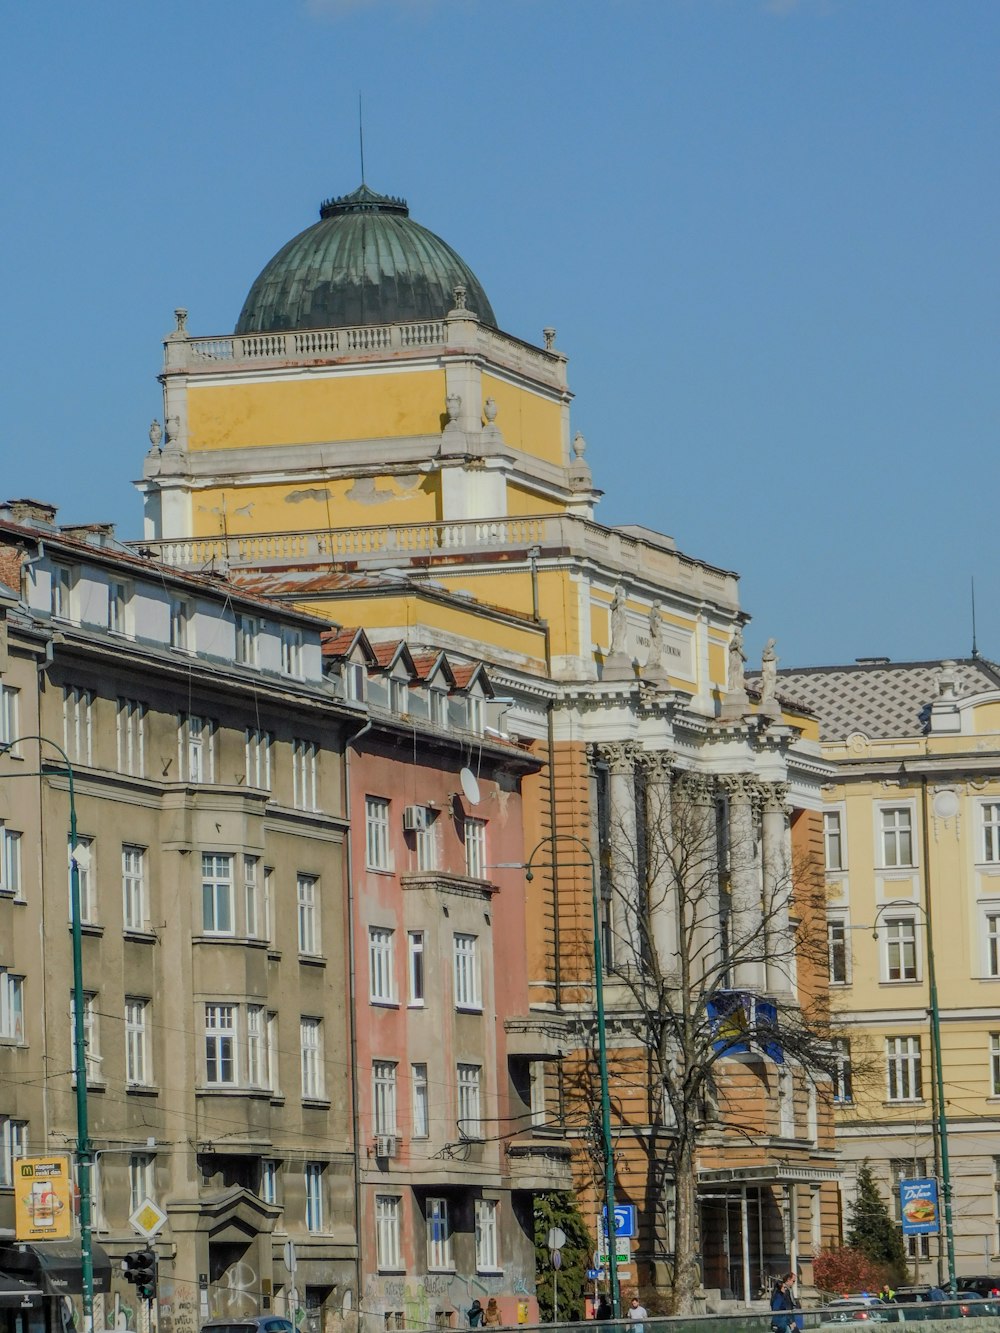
point(918, 1207)
point(741, 1022)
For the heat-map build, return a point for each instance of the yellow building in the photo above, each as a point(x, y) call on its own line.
point(369, 445)
point(912, 840)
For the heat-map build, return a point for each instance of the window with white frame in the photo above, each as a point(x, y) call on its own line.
point(181, 623)
point(399, 695)
point(252, 894)
point(10, 861)
point(13, 1144)
point(388, 1247)
point(992, 941)
point(487, 1236)
point(439, 1251)
point(130, 729)
point(842, 1072)
point(377, 855)
point(897, 835)
point(266, 899)
point(196, 748)
point(477, 714)
point(908, 1168)
point(900, 934)
point(384, 1096)
point(381, 982)
point(420, 1127)
point(475, 848)
point(415, 966)
point(314, 1196)
point(903, 1072)
point(119, 597)
point(833, 841)
point(247, 640)
point(62, 592)
point(438, 708)
point(427, 846)
point(995, 1064)
point(838, 958)
point(12, 1007)
point(78, 739)
point(91, 1036)
point(469, 1108)
point(307, 899)
point(468, 991)
point(291, 651)
point(257, 753)
point(311, 1046)
point(133, 886)
point(271, 1047)
point(305, 780)
point(990, 816)
point(256, 1047)
point(83, 857)
point(137, 1062)
point(217, 915)
point(355, 681)
point(221, 1064)
point(141, 1179)
point(9, 731)
point(269, 1180)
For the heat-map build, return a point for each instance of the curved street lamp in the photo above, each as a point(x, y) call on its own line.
point(83, 1152)
point(602, 1048)
point(942, 1116)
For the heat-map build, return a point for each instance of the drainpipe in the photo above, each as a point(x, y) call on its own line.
point(533, 553)
point(352, 1011)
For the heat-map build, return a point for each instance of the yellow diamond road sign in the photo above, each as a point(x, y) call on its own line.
point(148, 1218)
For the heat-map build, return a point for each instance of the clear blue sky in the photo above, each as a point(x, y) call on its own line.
point(766, 231)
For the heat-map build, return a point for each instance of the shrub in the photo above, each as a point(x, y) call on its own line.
point(844, 1271)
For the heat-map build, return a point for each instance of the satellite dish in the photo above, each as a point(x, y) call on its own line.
point(470, 786)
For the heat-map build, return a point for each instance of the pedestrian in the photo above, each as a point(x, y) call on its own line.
point(476, 1314)
point(886, 1294)
point(604, 1310)
point(783, 1299)
point(637, 1313)
point(491, 1319)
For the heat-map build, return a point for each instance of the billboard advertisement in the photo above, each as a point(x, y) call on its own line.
point(43, 1197)
point(918, 1207)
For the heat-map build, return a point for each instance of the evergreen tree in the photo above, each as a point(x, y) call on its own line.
point(558, 1209)
point(873, 1230)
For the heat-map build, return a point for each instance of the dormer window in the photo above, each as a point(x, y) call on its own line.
point(355, 681)
point(180, 624)
point(477, 714)
point(62, 591)
point(247, 635)
point(438, 703)
point(119, 595)
point(291, 652)
point(399, 695)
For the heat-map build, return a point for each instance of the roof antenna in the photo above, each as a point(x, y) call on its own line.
point(975, 650)
point(361, 138)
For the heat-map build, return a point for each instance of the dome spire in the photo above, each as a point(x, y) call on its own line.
point(361, 137)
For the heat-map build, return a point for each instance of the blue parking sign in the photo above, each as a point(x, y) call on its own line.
point(625, 1219)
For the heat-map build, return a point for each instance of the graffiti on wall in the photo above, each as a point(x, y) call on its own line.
point(421, 1296)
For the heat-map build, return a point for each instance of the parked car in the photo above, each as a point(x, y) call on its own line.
point(254, 1323)
point(850, 1308)
point(985, 1284)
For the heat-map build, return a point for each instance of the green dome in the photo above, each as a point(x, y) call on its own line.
point(364, 262)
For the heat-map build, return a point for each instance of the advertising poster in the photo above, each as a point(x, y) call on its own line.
point(918, 1207)
point(43, 1198)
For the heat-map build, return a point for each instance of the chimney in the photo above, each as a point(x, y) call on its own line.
point(32, 513)
point(94, 534)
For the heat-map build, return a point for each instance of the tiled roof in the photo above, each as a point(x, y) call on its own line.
point(879, 698)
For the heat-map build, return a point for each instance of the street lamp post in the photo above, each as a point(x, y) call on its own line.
point(602, 1050)
point(941, 1125)
point(83, 1151)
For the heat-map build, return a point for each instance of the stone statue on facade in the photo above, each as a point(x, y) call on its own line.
point(618, 663)
point(736, 704)
point(769, 705)
point(654, 671)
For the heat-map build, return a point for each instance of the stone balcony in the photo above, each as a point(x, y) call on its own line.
point(536, 1162)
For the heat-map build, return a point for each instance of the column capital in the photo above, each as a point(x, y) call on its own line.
point(658, 766)
point(620, 756)
point(775, 796)
point(741, 786)
point(698, 788)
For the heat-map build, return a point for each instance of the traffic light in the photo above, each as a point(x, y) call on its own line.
point(142, 1271)
point(130, 1266)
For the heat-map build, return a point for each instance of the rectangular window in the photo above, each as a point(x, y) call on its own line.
point(257, 747)
point(256, 1048)
point(377, 833)
point(355, 680)
point(415, 966)
point(388, 1250)
point(78, 740)
point(314, 1196)
point(251, 898)
point(468, 994)
point(196, 748)
point(900, 948)
point(836, 949)
point(131, 737)
point(380, 965)
point(308, 908)
point(141, 1179)
point(265, 903)
point(438, 708)
point(897, 836)
point(475, 848)
point(995, 1064)
point(137, 1066)
point(91, 1036)
point(439, 1255)
point(10, 861)
point(487, 1236)
point(991, 831)
point(420, 1128)
point(119, 597)
point(842, 1073)
point(908, 1168)
point(271, 1033)
point(291, 651)
point(903, 1069)
point(384, 1096)
point(220, 1045)
point(304, 775)
point(833, 846)
point(12, 1007)
point(180, 624)
point(469, 1114)
point(269, 1180)
point(993, 944)
point(62, 591)
point(477, 714)
point(247, 632)
point(13, 1144)
point(133, 887)
point(399, 696)
point(217, 916)
point(83, 857)
point(311, 1045)
point(427, 858)
point(9, 731)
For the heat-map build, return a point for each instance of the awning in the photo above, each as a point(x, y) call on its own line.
point(17, 1294)
point(55, 1266)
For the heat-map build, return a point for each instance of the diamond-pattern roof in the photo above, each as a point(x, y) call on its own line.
point(880, 698)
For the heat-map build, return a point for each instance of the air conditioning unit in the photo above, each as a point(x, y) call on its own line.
point(416, 818)
point(386, 1145)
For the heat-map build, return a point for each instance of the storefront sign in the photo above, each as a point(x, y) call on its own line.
point(43, 1198)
